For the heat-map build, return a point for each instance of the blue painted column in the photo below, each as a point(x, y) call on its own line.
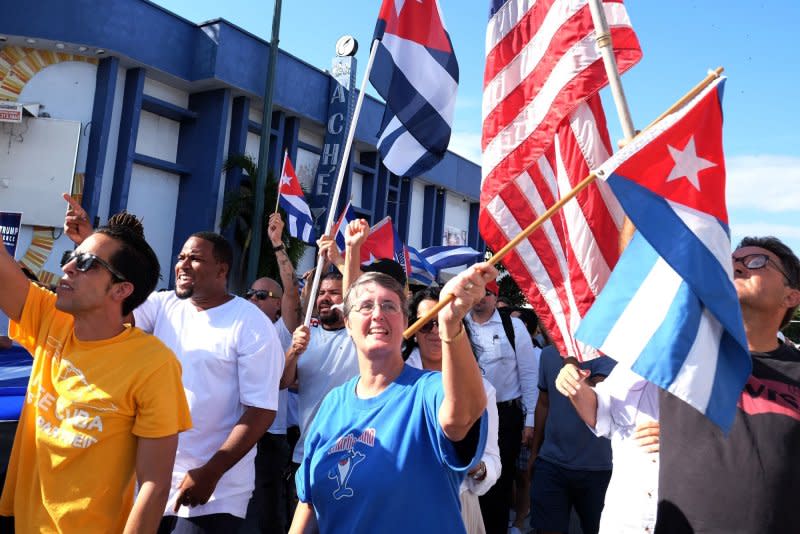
point(128, 132)
point(104, 91)
point(201, 148)
point(237, 144)
point(473, 235)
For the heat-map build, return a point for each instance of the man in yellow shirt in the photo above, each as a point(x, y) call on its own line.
point(105, 400)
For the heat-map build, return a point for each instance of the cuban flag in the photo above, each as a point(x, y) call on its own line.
point(445, 257)
point(422, 272)
point(401, 253)
point(290, 198)
point(669, 309)
point(416, 73)
point(348, 215)
point(380, 242)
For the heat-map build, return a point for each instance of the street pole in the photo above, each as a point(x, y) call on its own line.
point(263, 151)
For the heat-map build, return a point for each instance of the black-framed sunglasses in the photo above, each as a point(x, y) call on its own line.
point(427, 328)
point(260, 294)
point(84, 261)
point(758, 261)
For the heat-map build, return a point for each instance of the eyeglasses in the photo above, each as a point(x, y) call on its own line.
point(367, 307)
point(428, 327)
point(759, 261)
point(84, 261)
point(260, 294)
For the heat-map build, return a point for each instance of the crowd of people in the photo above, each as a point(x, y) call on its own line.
point(194, 410)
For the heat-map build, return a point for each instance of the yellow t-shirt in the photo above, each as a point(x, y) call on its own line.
point(73, 461)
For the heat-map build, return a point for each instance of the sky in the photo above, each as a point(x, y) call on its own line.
point(680, 39)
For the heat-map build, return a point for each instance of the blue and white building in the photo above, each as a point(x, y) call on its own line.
point(147, 106)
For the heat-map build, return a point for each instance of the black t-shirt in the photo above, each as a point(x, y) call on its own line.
point(748, 482)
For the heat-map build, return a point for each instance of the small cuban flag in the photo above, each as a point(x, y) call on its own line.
point(290, 198)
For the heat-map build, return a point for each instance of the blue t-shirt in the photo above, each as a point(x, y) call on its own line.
point(383, 464)
point(568, 442)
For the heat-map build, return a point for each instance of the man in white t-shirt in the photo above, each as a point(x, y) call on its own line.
point(232, 363)
point(329, 361)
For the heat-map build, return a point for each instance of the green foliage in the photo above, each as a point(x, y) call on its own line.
point(237, 212)
point(508, 287)
point(792, 330)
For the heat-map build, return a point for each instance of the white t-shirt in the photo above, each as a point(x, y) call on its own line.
point(279, 424)
point(329, 361)
point(231, 359)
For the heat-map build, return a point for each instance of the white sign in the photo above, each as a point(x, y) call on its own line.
point(10, 112)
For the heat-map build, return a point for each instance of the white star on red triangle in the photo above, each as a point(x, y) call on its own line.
point(688, 164)
point(286, 180)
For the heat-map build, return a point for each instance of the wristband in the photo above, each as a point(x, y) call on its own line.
point(278, 248)
point(455, 337)
point(571, 360)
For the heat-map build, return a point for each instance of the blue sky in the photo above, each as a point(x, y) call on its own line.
point(681, 40)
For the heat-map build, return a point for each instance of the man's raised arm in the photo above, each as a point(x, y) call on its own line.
point(291, 310)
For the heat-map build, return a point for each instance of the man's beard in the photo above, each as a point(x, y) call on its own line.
point(332, 318)
point(184, 294)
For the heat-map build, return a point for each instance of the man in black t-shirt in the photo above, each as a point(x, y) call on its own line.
point(747, 481)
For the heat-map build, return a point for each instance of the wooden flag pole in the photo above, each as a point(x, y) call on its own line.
point(312, 295)
point(283, 170)
point(411, 330)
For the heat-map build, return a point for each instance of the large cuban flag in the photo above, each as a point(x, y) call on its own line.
point(291, 199)
point(416, 73)
point(669, 309)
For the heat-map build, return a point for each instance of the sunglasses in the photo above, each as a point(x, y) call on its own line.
point(84, 261)
point(260, 294)
point(758, 261)
point(427, 328)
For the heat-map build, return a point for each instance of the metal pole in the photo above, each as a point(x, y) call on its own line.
point(312, 295)
point(603, 37)
point(263, 151)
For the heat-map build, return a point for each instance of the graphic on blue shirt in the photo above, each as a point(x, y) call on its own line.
point(348, 460)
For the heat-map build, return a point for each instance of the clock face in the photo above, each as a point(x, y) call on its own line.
point(346, 46)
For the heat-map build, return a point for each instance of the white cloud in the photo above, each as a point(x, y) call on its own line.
point(788, 233)
point(770, 183)
point(467, 144)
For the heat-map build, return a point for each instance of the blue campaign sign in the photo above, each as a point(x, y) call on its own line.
point(9, 229)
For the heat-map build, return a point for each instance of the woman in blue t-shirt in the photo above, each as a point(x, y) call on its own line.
point(388, 450)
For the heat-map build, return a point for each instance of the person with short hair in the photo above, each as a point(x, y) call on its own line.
point(105, 401)
point(744, 481)
point(513, 371)
point(232, 363)
point(388, 449)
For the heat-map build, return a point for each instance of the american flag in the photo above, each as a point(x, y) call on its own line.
point(543, 130)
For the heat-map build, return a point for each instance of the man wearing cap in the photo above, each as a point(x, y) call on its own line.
point(511, 366)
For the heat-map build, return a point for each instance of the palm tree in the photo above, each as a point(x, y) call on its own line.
point(237, 215)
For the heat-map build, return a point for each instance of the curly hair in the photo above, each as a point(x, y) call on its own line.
point(134, 259)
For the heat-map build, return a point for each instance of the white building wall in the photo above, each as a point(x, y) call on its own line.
point(416, 211)
point(162, 91)
point(153, 197)
point(158, 137)
point(456, 218)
